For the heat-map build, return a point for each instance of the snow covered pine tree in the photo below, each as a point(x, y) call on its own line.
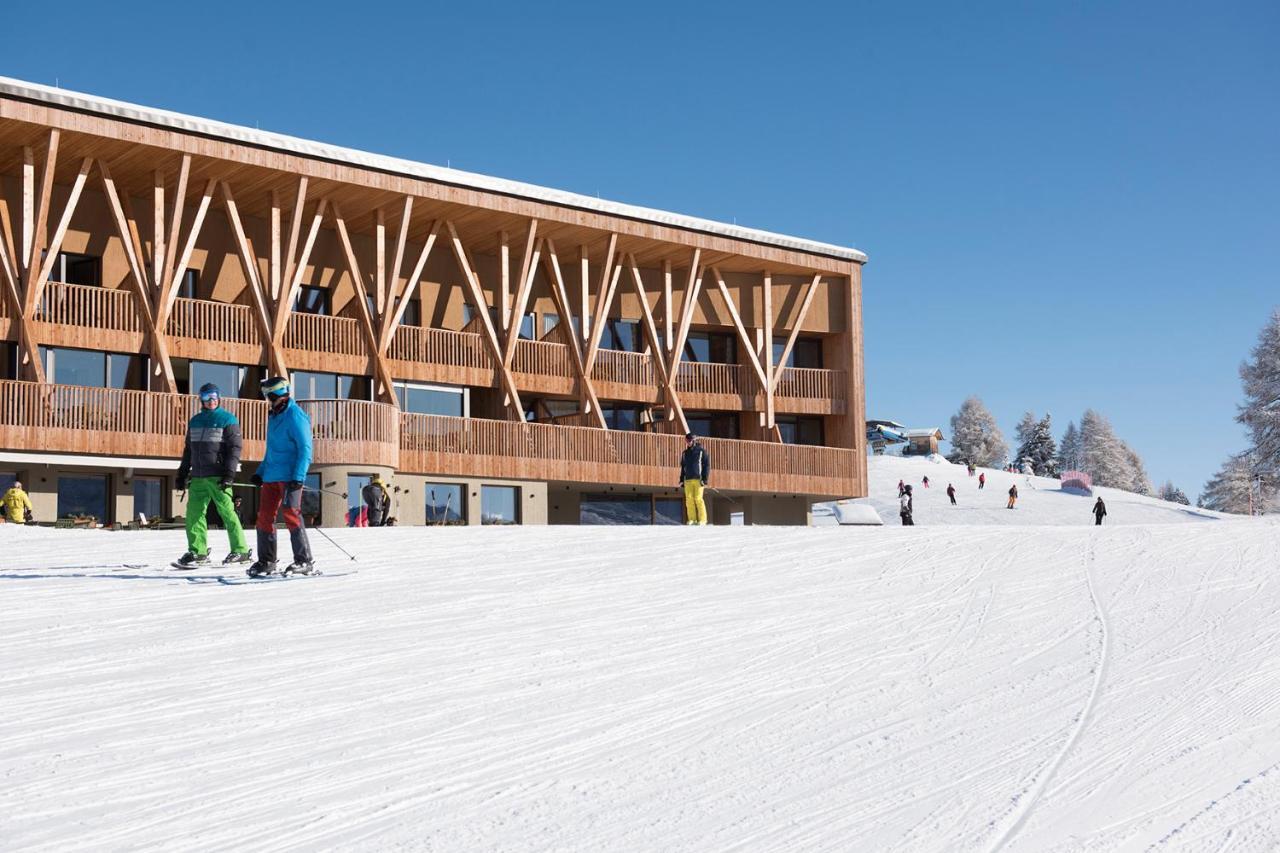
point(1170, 492)
point(975, 437)
point(1229, 490)
point(1036, 446)
point(1069, 456)
point(1260, 412)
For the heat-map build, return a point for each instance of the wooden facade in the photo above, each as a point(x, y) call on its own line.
point(204, 244)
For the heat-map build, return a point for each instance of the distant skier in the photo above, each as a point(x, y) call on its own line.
point(695, 465)
point(951, 493)
point(902, 487)
point(1099, 510)
point(926, 482)
point(972, 470)
point(16, 503)
point(1013, 495)
point(377, 500)
point(281, 474)
point(982, 480)
point(210, 460)
point(905, 507)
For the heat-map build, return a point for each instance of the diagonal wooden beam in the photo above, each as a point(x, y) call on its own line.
point(410, 286)
point(169, 288)
point(387, 391)
point(753, 359)
point(393, 273)
point(165, 272)
point(295, 230)
point(504, 282)
point(528, 270)
point(559, 294)
point(36, 226)
point(691, 293)
point(253, 276)
point(795, 330)
point(604, 299)
point(584, 285)
point(60, 232)
point(767, 324)
point(476, 295)
point(674, 409)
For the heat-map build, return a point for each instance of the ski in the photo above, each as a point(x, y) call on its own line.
point(278, 578)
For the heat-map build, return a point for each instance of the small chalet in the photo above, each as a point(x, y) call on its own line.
point(922, 442)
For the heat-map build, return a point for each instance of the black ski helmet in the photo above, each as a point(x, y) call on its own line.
point(208, 391)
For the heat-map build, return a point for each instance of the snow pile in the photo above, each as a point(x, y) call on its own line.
point(611, 688)
point(1041, 500)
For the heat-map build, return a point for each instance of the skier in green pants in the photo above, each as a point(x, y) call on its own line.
point(210, 461)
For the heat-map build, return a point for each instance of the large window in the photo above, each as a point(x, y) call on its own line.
point(71, 268)
point(621, 417)
point(713, 424)
point(499, 505)
point(469, 314)
point(550, 320)
point(8, 360)
point(189, 287)
point(87, 495)
point(807, 352)
point(711, 347)
point(629, 509)
point(432, 399)
point(446, 503)
point(329, 386)
point(313, 300)
point(94, 369)
point(148, 497)
point(225, 376)
point(622, 335)
point(796, 429)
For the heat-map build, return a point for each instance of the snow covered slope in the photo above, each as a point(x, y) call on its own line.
point(762, 689)
point(1040, 499)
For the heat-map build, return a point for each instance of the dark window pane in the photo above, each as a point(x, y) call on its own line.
point(225, 376)
point(127, 371)
point(312, 300)
point(446, 504)
point(526, 327)
point(354, 387)
point(314, 386)
point(616, 509)
point(807, 353)
point(79, 367)
point(148, 497)
point(311, 501)
point(499, 505)
point(83, 496)
point(190, 286)
point(412, 313)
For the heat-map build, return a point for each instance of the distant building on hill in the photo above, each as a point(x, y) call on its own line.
point(922, 442)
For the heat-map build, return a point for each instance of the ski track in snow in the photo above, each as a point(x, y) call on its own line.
point(749, 689)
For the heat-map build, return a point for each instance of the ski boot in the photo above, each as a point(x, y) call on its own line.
point(261, 569)
point(237, 557)
point(301, 567)
point(191, 561)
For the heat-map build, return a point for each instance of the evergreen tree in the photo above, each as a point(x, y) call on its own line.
point(1136, 472)
point(1037, 446)
point(1171, 493)
point(975, 438)
point(1260, 412)
point(1101, 454)
point(1069, 456)
point(1230, 489)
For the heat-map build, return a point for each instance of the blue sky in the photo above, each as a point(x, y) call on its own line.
point(1065, 205)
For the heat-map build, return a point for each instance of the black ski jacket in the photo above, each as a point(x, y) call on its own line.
point(695, 464)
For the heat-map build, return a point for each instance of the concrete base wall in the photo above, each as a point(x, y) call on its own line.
point(409, 495)
point(795, 511)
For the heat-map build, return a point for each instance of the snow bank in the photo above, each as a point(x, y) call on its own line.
point(921, 689)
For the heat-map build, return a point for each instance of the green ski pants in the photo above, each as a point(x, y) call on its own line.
point(201, 492)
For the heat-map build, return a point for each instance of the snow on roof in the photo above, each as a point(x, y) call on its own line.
point(94, 461)
point(136, 114)
point(924, 433)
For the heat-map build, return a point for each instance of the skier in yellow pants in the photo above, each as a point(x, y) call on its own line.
point(695, 465)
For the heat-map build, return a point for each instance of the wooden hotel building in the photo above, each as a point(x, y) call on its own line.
point(499, 352)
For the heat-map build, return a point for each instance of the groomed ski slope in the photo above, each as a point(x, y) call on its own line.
point(1041, 500)
point(747, 689)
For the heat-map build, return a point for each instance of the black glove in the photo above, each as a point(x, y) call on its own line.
point(294, 485)
point(704, 484)
point(182, 483)
point(256, 480)
point(225, 483)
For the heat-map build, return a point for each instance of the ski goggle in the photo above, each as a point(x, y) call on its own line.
point(208, 395)
point(277, 389)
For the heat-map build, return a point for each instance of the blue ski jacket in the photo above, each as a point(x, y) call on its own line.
point(288, 454)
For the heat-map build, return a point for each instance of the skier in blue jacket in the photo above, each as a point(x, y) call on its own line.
point(281, 475)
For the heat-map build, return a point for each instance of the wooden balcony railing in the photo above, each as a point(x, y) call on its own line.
point(694, 377)
point(111, 421)
point(810, 383)
point(204, 319)
point(439, 346)
point(624, 368)
point(541, 358)
point(90, 307)
point(472, 447)
point(318, 333)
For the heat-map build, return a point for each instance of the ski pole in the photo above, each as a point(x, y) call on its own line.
point(320, 530)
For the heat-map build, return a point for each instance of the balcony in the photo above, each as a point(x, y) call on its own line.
point(114, 422)
point(95, 317)
point(469, 447)
point(109, 421)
